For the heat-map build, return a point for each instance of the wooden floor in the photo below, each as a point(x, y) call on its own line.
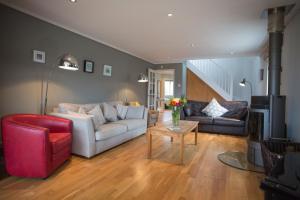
point(125, 173)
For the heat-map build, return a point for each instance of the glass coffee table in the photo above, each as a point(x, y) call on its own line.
point(167, 129)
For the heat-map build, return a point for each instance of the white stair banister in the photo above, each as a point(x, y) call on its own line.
point(214, 75)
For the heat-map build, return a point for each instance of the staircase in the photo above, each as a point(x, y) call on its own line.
point(214, 76)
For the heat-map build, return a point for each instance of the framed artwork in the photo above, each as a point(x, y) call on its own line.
point(107, 70)
point(88, 66)
point(39, 56)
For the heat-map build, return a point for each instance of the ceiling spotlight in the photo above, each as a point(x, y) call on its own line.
point(73, 1)
point(192, 45)
point(170, 15)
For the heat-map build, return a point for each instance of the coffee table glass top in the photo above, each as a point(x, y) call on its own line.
point(184, 126)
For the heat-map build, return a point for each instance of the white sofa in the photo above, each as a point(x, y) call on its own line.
point(88, 142)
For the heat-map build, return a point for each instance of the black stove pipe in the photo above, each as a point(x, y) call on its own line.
point(275, 28)
point(277, 102)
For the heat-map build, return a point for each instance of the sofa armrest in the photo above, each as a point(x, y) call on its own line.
point(247, 121)
point(145, 117)
point(83, 134)
point(182, 114)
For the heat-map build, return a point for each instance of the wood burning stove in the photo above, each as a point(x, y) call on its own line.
point(267, 113)
point(258, 128)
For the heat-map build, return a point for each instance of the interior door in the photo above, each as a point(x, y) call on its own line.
point(152, 90)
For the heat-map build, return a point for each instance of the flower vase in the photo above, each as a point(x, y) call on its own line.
point(175, 116)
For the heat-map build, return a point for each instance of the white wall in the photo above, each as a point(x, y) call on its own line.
point(291, 76)
point(244, 67)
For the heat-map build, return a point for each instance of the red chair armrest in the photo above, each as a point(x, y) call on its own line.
point(57, 124)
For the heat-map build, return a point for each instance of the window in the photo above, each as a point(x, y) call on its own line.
point(169, 88)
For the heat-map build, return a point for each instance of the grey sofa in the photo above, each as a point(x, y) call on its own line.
point(234, 122)
point(88, 142)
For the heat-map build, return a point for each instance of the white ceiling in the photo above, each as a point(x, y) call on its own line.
point(197, 29)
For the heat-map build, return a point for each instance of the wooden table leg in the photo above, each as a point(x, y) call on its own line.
point(149, 137)
point(196, 135)
point(171, 139)
point(181, 148)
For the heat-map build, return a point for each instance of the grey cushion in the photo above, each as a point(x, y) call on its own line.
point(109, 130)
point(88, 107)
point(114, 103)
point(110, 113)
point(97, 116)
point(132, 124)
point(65, 107)
point(228, 122)
point(135, 112)
point(121, 111)
point(201, 119)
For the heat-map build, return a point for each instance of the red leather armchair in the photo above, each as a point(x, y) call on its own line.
point(35, 145)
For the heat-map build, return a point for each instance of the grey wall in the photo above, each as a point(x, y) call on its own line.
point(20, 77)
point(178, 76)
point(290, 76)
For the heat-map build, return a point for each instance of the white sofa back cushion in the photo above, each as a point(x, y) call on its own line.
point(110, 113)
point(65, 107)
point(87, 107)
point(135, 112)
point(76, 114)
point(97, 116)
point(121, 111)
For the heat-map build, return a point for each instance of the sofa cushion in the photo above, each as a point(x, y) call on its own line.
point(109, 130)
point(77, 114)
point(59, 141)
point(238, 113)
point(233, 105)
point(121, 111)
point(65, 107)
point(132, 124)
point(135, 112)
point(97, 117)
point(214, 109)
point(81, 110)
point(196, 108)
point(115, 103)
point(110, 113)
point(201, 119)
point(222, 121)
point(87, 107)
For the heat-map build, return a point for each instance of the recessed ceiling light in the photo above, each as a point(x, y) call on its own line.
point(73, 1)
point(192, 45)
point(232, 52)
point(170, 15)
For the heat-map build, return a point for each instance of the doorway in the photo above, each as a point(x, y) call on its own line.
point(160, 88)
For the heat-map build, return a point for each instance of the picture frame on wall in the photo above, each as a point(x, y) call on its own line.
point(39, 56)
point(107, 70)
point(88, 66)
